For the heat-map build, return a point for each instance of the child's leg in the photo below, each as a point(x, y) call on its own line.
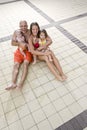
point(35, 59)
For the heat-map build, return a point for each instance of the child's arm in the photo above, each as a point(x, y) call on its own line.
point(48, 41)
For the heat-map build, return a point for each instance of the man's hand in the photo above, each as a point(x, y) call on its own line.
point(23, 46)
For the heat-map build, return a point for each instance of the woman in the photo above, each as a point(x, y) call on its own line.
point(34, 30)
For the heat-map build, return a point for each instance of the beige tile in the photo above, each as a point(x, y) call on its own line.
point(26, 87)
point(16, 126)
point(38, 116)
point(50, 76)
point(27, 122)
point(6, 128)
point(83, 89)
point(44, 125)
point(29, 96)
point(34, 105)
point(49, 110)
point(53, 95)
point(71, 86)
point(55, 120)
point(35, 83)
point(39, 91)
point(43, 79)
point(68, 99)
point(57, 84)
point(83, 102)
point(12, 116)
point(77, 94)
point(62, 90)
point(48, 87)
point(3, 122)
point(15, 93)
point(66, 115)
point(59, 104)
point(1, 110)
point(34, 128)
point(75, 108)
point(19, 101)
point(23, 111)
point(8, 106)
point(5, 97)
point(44, 100)
point(78, 81)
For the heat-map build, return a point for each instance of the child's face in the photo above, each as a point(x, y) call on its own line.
point(42, 35)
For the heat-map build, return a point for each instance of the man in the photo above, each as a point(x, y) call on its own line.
point(19, 57)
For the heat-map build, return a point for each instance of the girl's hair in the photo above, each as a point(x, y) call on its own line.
point(35, 24)
point(43, 31)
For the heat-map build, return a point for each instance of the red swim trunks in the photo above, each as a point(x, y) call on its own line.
point(18, 57)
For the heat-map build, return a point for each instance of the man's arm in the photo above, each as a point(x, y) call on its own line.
point(14, 42)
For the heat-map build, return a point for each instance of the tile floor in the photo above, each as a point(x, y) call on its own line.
point(45, 103)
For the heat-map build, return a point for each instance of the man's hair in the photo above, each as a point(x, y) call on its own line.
point(22, 21)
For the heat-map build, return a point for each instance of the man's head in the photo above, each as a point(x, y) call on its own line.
point(23, 26)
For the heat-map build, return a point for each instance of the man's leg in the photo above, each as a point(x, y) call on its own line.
point(14, 76)
point(24, 74)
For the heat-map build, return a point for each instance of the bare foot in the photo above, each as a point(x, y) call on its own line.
point(12, 86)
point(64, 77)
point(59, 78)
point(19, 86)
point(34, 62)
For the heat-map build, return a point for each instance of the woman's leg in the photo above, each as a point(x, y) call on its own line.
point(51, 67)
point(58, 66)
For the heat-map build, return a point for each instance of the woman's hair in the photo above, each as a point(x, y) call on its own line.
point(35, 24)
point(43, 31)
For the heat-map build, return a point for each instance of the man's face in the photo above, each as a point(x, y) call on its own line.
point(23, 26)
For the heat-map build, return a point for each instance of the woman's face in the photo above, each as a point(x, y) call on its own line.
point(34, 30)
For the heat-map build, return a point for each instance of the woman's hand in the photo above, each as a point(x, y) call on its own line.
point(40, 48)
point(47, 53)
